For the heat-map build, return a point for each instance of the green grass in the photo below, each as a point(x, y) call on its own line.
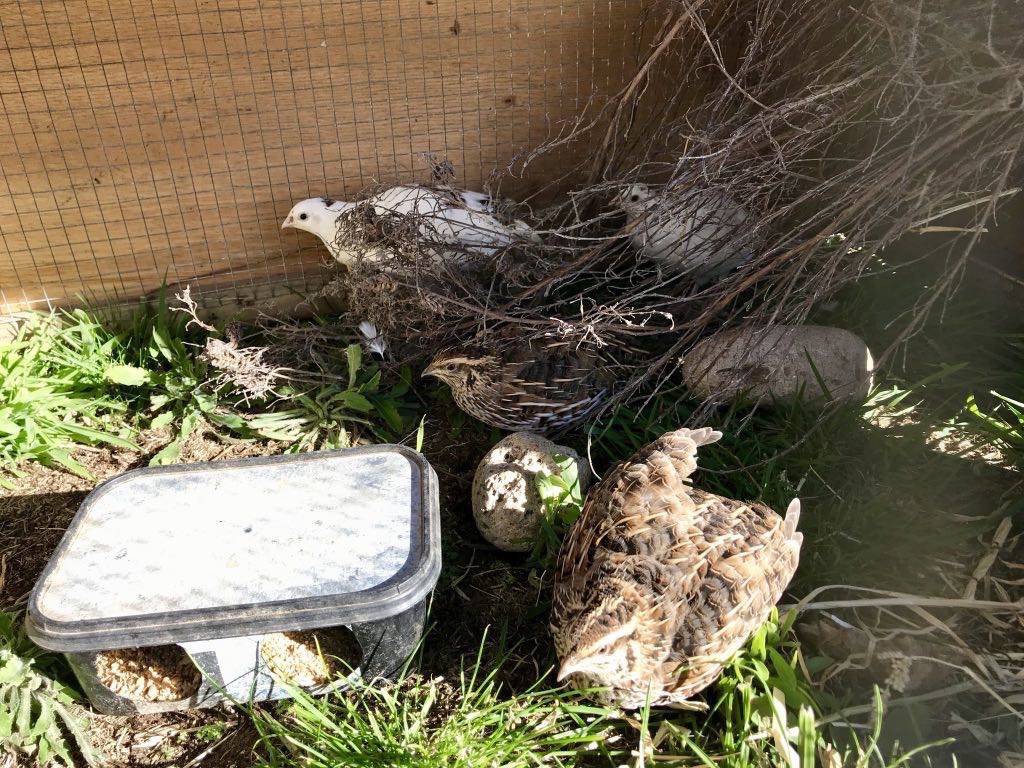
point(168, 381)
point(53, 394)
point(880, 509)
point(562, 497)
point(422, 723)
point(178, 385)
point(763, 711)
point(994, 406)
point(1004, 422)
point(71, 379)
point(320, 417)
point(36, 716)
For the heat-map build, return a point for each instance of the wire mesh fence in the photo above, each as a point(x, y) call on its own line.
point(164, 140)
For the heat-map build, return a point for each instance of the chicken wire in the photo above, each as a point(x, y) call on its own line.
point(165, 140)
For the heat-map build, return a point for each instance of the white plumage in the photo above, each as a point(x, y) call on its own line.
point(373, 340)
point(454, 220)
point(696, 233)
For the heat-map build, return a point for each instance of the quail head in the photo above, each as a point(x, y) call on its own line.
point(545, 387)
point(320, 216)
point(658, 584)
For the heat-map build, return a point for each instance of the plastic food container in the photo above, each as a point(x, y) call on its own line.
point(173, 585)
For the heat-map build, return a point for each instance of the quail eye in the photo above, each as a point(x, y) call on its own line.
point(451, 367)
point(303, 216)
point(634, 198)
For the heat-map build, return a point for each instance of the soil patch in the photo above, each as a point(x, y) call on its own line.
point(484, 597)
point(213, 738)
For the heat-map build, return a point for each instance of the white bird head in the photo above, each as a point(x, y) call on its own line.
point(318, 215)
point(634, 198)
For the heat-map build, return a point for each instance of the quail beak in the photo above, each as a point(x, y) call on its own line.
point(289, 222)
point(569, 666)
point(430, 371)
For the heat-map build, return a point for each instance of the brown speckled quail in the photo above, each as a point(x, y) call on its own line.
point(658, 584)
point(545, 386)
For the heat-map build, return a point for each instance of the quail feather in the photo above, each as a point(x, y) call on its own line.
point(693, 233)
point(659, 584)
point(542, 386)
point(458, 221)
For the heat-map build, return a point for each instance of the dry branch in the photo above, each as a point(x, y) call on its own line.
point(869, 120)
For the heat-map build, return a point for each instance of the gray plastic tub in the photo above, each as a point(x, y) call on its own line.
point(215, 557)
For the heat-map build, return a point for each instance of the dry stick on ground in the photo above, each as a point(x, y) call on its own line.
point(808, 603)
point(191, 309)
point(987, 666)
point(989, 558)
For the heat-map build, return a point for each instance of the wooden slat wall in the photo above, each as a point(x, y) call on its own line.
point(166, 139)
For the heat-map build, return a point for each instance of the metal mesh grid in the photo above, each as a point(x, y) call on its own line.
point(165, 140)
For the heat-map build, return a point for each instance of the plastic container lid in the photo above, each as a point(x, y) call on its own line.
point(223, 549)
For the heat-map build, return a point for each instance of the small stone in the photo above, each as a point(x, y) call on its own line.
point(506, 504)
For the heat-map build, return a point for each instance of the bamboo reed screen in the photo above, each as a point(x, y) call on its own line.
point(147, 141)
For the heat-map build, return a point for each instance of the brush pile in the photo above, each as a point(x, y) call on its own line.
point(840, 127)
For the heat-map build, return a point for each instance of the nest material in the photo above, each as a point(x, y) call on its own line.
point(406, 283)
point(840, 126)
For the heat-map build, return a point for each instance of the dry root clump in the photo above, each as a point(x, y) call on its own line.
point(244, 367)
point(311, 659)
point(160, 673)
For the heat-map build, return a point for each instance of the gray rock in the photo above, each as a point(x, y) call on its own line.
point(758, 363)
point(506, 505)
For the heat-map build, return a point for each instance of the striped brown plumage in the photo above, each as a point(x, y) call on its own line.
point(658, 583)
point(541, 386)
